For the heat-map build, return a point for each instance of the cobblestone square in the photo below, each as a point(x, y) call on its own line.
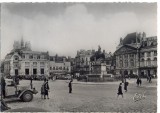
point(93, 97)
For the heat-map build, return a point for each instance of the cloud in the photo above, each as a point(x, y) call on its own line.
point(76, 28)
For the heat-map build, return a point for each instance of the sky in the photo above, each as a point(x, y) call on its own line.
point(64, 28)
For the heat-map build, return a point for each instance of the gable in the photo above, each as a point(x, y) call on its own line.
point(125, 49)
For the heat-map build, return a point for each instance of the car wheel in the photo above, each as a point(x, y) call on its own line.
point(27, 96)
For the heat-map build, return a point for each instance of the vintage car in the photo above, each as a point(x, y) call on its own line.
point(23, 92)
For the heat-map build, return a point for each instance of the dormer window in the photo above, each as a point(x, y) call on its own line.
point(16, 58)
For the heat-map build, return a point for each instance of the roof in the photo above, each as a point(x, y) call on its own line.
point(131, 38)
point(34, 52)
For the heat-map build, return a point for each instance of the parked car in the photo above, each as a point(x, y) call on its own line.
point(23, 92)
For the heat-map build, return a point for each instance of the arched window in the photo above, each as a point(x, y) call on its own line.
point(142, 62)
point(126, 63)
point(149, 62)
point(155, 61)
point(132, 62)
point(16, 58)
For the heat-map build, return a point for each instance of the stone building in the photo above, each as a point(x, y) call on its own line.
point(59, 65)
point(82, 61)
point(133, 54)
point(25, 62)
point(148, 57)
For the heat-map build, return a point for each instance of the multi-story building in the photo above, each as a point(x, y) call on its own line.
point(135, 55)
point(23, 61)
point(148, 57)
point(59, 65)
point(82, 61)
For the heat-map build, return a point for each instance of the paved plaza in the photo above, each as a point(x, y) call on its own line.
point(92, 97)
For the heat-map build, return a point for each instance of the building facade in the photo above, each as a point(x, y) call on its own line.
point(136, 55)
point(82, 61)
point(25, 62)
point(59, 65)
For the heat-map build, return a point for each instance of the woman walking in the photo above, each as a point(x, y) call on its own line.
point(120, 90)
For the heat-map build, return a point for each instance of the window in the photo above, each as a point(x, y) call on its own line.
point(23, 56)
point(155, 53)
point(27, 64)
point(155, 62)
point(63, 68)
point(35, 57)
point(42, 56)
point(27, 71)
point(155, 59)
point(131, 55)
point(30, 56)
point(148, 54)
point(132, 62)
point(16, 58)
point(34, 64)
point(60, 68)
point(15, 65)
point(38, 57)
point(42, 71)
point(50, 68)
point(142, 54)
point(148, 62)
point(34, 71)
point(121, 63)
point(41, 64)
point(53, 68)
point(126, 63)
point(142, 62)
point(126, 56)
point(56, 68)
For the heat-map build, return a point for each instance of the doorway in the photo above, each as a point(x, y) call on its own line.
point(16, 71)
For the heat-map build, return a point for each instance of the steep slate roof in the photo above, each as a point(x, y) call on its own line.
point(131, 38)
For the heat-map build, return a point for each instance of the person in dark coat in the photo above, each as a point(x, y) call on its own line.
point(150, 79)
point(4, 106)
point(125, 86)
point(46, 89)
point(120, 90)
point(3, 86)
point(138, 81)
point(31, 79)
point(70, 87)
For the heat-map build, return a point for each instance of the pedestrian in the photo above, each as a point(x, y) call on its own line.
point(120, 90)
point(138, 81)
point(31, 82)
point(4, 106)
point(125, 86)
point(42, 91)
point(150, 79)
point(46, 88)
point(3, 86)
point(70, 87)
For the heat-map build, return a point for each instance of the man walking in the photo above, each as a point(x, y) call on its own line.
point(125, 85)
point(70, 87)
point(3, 86)
point(138, 81)
point(46, 89)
